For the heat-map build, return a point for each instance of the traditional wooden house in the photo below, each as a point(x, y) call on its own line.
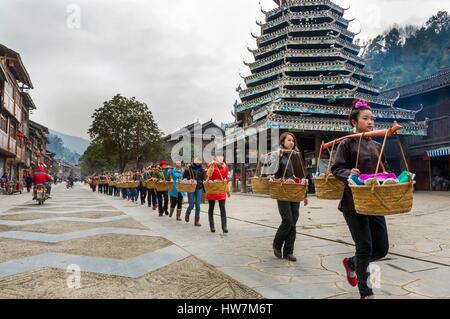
point(196, 137)
point(39, 139)
point(429, 155)
point(15, 104)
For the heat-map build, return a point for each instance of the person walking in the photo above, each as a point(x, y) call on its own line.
point(287, 166)
point(176, 198)
point(368, 232)
point(217, 170)
point(196, 172)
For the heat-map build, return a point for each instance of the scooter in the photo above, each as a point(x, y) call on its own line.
point(41, 194)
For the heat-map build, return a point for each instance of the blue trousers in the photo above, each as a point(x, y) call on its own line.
point(195, 199)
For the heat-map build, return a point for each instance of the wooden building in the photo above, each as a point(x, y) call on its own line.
point(15, 105)
point(429, 155)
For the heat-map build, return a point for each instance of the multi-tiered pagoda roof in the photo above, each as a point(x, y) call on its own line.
point(307, 72)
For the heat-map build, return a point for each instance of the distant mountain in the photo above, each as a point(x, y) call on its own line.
point(56, 146)
point(73, 143)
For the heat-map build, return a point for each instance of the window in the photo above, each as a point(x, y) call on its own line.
point(3, 124)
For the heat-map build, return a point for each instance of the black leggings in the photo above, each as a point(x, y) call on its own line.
point(143, 193)
point(151, 193)
point(223, 213)
point(163, 202)
point(372, 243)
point(287, 232)
point(176, 201)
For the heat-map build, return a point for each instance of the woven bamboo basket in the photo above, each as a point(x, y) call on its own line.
point(328, 188)
point(164, 186)
point(261, 185)
point(214, 188)
point(282, 191)
point(289, 192)
point(150, 184)
point(133, 184)
point(186, 188)
point(383, 200)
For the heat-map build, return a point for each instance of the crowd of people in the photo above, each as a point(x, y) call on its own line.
point(133, 186)
point(353, 157)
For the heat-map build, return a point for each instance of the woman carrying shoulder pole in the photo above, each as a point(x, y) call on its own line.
point(288, 166)
point(176, 198)
point(354, 157)
point(218, 170)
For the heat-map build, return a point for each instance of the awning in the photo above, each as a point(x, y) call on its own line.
point(444, 151)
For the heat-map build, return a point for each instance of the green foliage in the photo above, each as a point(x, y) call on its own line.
point(127, 131)
point(408, 54)
point(95, 160)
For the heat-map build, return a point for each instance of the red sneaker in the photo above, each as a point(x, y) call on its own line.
point(154, 207)
point(351, 276)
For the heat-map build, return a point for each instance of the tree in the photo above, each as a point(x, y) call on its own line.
point(127, 130)
point(410, 53)
point(96, 160)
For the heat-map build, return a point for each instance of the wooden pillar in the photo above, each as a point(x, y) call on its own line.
point(234, 183)
point(317, 144)
point(243, 178)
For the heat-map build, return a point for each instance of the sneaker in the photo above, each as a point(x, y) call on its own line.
point(290, 257)
point(351, 275)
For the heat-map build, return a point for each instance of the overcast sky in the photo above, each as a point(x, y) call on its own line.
point(181, 57)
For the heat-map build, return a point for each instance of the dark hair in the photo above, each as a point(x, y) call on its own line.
point(297, 159)
point(285, 135)
point(354, 114)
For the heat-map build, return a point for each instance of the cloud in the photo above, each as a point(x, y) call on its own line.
point(181, 57)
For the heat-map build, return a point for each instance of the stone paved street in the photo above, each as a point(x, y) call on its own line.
point(126, 250)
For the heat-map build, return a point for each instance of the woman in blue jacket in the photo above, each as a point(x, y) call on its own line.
point(176, 198)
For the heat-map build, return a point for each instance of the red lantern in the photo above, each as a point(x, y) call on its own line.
point(20, 135)
point(28, 142)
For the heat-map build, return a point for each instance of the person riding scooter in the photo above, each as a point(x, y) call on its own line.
point(42, 178)
point(69, 181)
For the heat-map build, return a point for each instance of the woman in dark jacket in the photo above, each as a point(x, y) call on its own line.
point(368, 232)
point(289, 211)
point(196, 172)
